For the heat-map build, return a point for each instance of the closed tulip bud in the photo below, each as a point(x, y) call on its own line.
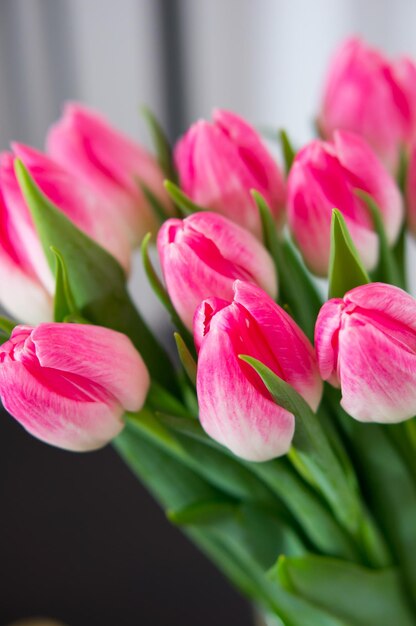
point(202, 256)
point(326, 175)
point(234, 405)
point(366, 345)
point(367, 94)
point(113, 165)
point(219, 163)
point(72, 399)
point(25, 276)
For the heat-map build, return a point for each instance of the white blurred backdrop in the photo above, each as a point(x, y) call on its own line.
point(263, 58)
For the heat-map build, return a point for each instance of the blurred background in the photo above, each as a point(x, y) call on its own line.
point(80, 540)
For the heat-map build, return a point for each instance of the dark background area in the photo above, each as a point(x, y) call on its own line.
point(82, 541)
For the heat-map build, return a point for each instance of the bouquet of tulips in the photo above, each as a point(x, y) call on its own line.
point(282, 436)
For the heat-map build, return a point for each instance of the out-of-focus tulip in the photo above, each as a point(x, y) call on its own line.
point(202, 256)
point(324, 176)
point(235, 407)
point(367, 94)
point(366, 344)
point(26, 282)
point(72, 399)
point(219, 163)
point(113, 165)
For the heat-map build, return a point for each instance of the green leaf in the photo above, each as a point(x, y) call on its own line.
point(174, 485)
point(387, 270)
point(345, 267)
point(181, 200)
point(152, 277)
point(186, 358)
point(178, 488)
point(317, 522)
point(314, 458)
point(161, 400)
point(312, 454)
point(201, 513)
point(250, 482)
point(402, 170)
point(161, 143)
point(237, 547)
point(390, 488)
point(64, 303)
point(209, 462)
point(97, 281)
point(288, 150)
point(296, 288)
point(157, 207)
point(361, 596)
point(6, 326)
point(399, 252)
point(233, 557)
point(161, 292)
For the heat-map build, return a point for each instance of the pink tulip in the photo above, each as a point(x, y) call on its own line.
point(325, 175)
point(26, 282)
point(219, 163)
point(235, 407)
point(202, 256)
point(367, 94)
point(113, 165)
point(73, 399)
point(366, 344)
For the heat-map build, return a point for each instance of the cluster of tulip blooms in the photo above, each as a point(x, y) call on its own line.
point(239, 244)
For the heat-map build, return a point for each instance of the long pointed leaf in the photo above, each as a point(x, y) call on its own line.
point(378, 596)
point(296, 288)
point(345, 268)
point(316, 461)
point(185, 204)
point(97, 281)
point(161, 143)
point(317, 523)
point(387, 270)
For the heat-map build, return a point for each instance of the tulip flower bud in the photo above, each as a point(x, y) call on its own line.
point(235, 407)
point(325, 175)
point(72, 399)
point(202, 256)
point(219, 164)
point(366, 94)
point(25, 276)
point(366, 344)
point(113, 165)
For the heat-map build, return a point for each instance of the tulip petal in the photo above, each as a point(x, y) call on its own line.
point(189, 280)
point(219, 164)
point(232, 410)
point(377, 375)
point(22, 296)
point(77, 201)
point(392, 301)
point(291, 348)
point(363, 95)
point(113, 165)
point(60, 421)
point(366, 172)
point(238, 245)
point(104, 356)
point(326, 339)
